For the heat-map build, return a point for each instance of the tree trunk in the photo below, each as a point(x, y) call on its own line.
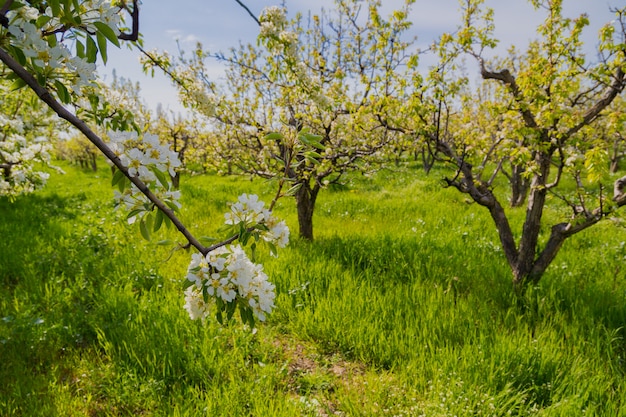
point(428, 160)
point(616, 156)
point(532, 224)
point(614, 165)
point(519, 186)
point(94, 163)
point(175, 180)
point(305, 204)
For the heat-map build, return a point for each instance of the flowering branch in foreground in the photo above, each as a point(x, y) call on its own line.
point(242, 282)
point(227, 275)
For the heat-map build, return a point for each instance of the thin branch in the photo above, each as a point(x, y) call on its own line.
point(162, 68)
point(3, 13)
point(249, 12)
point(611, 92)
point(508, 79)
point(134, 35)
point(489, 182)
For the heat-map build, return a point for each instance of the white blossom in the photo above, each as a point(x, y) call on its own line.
point(195, 304)
point(229, 274)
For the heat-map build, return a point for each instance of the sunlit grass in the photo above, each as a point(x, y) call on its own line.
point(402, 306)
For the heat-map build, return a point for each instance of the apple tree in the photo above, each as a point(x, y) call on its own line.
point(298, 107)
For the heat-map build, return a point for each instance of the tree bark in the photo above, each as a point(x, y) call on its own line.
point(428, 160)
point(94, 163)
point(305, 205)
point(175, 180)
point(519, 186)
point(616, 155)
point(532, 223)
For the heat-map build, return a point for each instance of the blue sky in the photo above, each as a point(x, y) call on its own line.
point(220, 24)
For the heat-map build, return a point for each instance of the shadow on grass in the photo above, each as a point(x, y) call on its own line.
point(29, 226)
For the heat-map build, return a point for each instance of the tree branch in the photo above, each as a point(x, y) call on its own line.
point(616, 87)
point(508, 79)
point(486, 198)
point(249, 12)
point(65, 114)
point(3, 13)
point(134, 35)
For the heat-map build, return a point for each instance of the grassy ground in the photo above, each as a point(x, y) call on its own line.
point(402, 306)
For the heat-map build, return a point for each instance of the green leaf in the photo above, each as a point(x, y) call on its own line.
point(311, 157)
point(80, 49)
point(311, 140)
point(143, 228)
point(272, 247)
point(228, 229)
point(62, 92)
point(134, 213)
point(123, 184)
point(230, 310)
point(42, 20)
point(76, 4)
point(117, 177)
point(247, 317)
point(158, 221)
point(274, 136)
point(207, 239)
point(162, 177)
point(11, 76)
point(165, 242)
point(17, 84)
point(41, 79)
point(52, 40)
point(55, 5)
point(293, 190)
point(167, 221)
point(102, 46)
point(253, 252)
point(19, 55)
point(92, 50)
point(107, 32)
point(171, 205)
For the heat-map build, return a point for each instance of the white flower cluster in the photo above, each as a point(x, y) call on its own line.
point(273, 20)
point(273, 28)
point(100, 11)
point(198, 98)
point(283, 43)
point(54, 57)
point(249, 210)
point(17, 174)
point(228, 274)
point(145, 157)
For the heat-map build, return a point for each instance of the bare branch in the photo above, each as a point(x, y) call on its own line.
point(505, 77)
point(134, 35)
point(249, 12)
point(3, 13)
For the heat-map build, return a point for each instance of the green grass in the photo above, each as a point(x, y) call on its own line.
point(402, 306)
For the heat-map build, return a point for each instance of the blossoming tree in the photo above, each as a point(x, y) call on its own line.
point(549, 102)
point(27, 129)
point(298, 107)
